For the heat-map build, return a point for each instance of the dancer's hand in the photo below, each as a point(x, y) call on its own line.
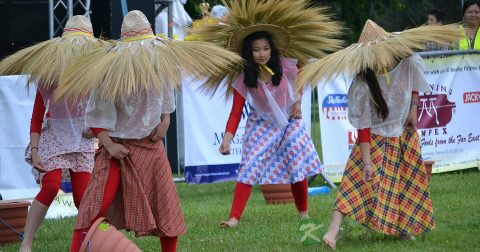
point(225, 146)
point(36, 162)
point(412, 119)
point(367, 173)
point(296, 110)
point(159, 132)
point(117, 151)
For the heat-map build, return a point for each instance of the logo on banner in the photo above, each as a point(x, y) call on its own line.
point(434, 111)
point(335, 106)
point(471, 97)
point(352, 138)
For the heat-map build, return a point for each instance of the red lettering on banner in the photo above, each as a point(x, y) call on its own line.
point(352, 137)
point(471, 97)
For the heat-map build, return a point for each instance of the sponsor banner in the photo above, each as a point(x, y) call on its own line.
point(448, 129)
point(447, 121)
point(205, 117)
point(337, 135)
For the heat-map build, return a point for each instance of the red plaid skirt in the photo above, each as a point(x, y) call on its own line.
point(146, 201)
point(397, 201)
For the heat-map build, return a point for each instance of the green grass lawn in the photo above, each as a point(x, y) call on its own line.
point(456, 198)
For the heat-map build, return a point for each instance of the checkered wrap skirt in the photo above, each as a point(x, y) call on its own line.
point(146, 201)
point(397, 201)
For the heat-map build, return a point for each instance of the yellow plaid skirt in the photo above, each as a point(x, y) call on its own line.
point(397, 201)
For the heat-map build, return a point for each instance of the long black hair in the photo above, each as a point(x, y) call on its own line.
point(369, 77)
point(251, 68)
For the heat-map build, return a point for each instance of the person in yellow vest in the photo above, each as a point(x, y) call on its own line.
point(471, 19)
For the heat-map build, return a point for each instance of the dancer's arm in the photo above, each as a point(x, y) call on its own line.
point(35, 130)
point(412, 119)
point(159, 132)
point(233, 121)
point(297, 107)
point(364, 142)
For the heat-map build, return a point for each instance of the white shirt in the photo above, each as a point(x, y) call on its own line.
point(397, 87)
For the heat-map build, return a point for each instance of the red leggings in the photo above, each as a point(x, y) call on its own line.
point(52, 180)
point(168, 244)
point(243, 191)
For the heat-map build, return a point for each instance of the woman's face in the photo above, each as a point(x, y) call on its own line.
point(261, 51)
point(432, 20)
point(471, 16)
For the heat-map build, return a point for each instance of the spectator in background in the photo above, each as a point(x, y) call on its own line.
point(470, 39)
point(435, 17)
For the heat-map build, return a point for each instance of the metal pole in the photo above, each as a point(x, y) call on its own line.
point(50, 18)
point(179, 98)
point(70, 8)
point(87, 8)
point(170, 19)
point(124, 7)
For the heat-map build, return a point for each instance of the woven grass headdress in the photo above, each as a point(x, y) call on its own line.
point(376, 49)
point(140, 61)
point(46, 61)
point(299, 31)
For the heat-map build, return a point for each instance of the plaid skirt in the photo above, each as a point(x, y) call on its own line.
point(146, 201)
point(397, 201)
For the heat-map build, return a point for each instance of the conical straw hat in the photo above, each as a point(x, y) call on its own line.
point(47, 60)
point(141, 62)
point(135, 26)
point(78, 25)
point(377, 50)
point(372, 33)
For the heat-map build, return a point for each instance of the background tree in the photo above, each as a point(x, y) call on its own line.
point(393, 15)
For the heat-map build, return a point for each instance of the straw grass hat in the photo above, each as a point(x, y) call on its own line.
point(140, 61)
point(299, 30)
point(376, 49)
point(47, 60)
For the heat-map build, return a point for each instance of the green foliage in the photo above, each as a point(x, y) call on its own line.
point(194, 11)
point(393, 15)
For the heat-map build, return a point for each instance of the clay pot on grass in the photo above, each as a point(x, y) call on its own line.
point(13, 215)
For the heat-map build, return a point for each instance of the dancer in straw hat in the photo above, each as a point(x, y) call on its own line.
point(131, 88)
point(272, 36)
point(60, 148)
point(385, 185)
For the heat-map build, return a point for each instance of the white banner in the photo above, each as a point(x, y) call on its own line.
point(205, 118)
point(16, 104)
point(337, 134)
point(448, 117)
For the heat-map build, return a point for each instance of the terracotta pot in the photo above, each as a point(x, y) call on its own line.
point(13, 213)
point(277, 194)
point(428, 166)
point(103, 237)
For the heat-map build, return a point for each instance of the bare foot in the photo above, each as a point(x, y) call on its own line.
point(303, 215)
point(25, 248)
point(330, 238)
point(409, 237)
point(230, 223)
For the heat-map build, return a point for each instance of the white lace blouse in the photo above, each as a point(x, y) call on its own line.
point(397, 87)
point(134, 117)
